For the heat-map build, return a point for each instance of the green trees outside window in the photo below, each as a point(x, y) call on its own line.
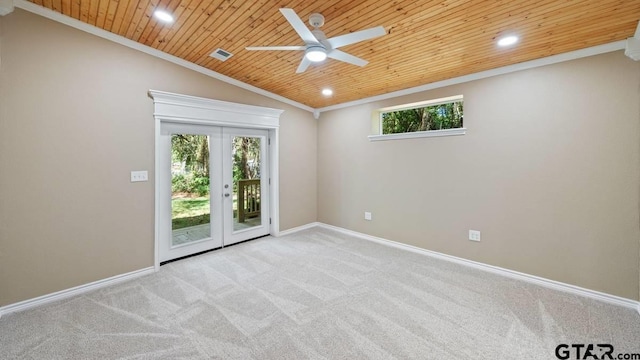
point(433, 117)
point(193, 152)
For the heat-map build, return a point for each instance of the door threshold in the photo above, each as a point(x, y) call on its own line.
point(244, 241)
point(210, 250)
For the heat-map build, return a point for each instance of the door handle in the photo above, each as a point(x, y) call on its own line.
point(226, 195)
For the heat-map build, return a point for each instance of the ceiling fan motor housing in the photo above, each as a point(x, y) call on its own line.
point(319, 34)
point(317, 46)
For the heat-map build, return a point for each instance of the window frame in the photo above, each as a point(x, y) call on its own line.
point(377, 119)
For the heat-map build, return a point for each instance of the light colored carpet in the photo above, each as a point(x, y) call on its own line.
point(316, 294)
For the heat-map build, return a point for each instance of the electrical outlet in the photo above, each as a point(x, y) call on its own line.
point(474, 235)
point(139, 176)
point(367, 215)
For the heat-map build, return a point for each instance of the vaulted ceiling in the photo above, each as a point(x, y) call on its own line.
point(426, 41)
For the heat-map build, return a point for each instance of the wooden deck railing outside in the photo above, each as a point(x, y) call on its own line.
point(248, 199)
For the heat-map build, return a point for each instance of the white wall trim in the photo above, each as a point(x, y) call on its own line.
point(178, 108)
point(172, 109)
point(6, 7)
point(419, 134)
point(74, 291)
point(274, 186)
point(50, 14)
point(551, 284)
point(158, 163)
point(573, 55)
point(298, 229)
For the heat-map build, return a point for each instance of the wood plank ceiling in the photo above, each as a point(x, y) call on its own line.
point(426, 41)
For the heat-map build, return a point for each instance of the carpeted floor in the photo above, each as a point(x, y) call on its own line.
point(316, 294)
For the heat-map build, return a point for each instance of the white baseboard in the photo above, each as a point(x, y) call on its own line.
point(63, 294)
point(298, 229)
point(552, 284)
point(612, 299)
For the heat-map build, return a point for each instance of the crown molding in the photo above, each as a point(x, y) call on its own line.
point(63, 19)
point(6, 7)
point(573, 55)
point(184, 108)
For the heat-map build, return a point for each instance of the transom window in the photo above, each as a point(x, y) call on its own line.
point(438, 117)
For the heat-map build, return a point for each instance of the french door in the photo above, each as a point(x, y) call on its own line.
point(214, 186)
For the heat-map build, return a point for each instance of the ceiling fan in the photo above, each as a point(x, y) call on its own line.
point(316, 45)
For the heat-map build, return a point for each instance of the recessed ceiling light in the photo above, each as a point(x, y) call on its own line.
point(508, 40)
point(327, 92)
point(163, 15)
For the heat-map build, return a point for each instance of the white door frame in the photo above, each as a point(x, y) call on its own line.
point(163, 182)
point(177, 108)
point(232, 236)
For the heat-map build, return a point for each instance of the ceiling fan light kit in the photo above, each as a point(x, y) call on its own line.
point(315, 53)
point(317, 47)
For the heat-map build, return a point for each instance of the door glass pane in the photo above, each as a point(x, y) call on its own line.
point(190, 201)
point(246, 182)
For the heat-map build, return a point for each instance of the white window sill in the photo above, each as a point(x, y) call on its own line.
point(419, 134)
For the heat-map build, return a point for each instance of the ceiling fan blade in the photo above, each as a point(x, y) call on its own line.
point(304, 64)
point(348, 58)
point(354, 37)
point(282, 48)
point(298, 25)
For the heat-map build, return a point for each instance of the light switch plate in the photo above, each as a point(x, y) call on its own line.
point(137, 176)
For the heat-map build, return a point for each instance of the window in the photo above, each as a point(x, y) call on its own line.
point(439, 117)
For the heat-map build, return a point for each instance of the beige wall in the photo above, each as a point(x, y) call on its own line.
point(75, 119)
point(548, 171)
